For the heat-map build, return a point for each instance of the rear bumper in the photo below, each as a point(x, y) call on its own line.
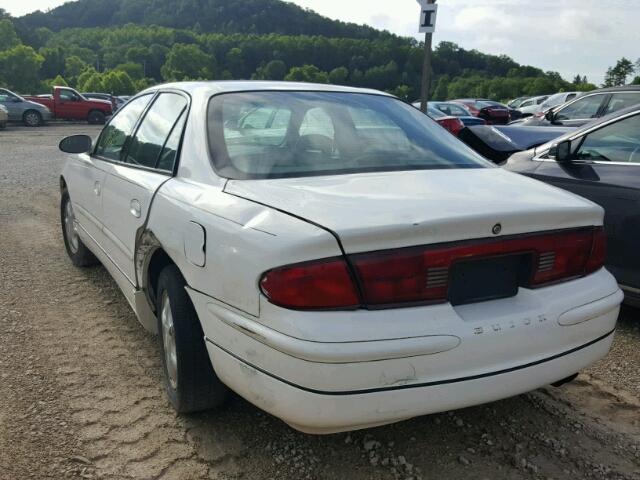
point(329, 412)
point(437, 358)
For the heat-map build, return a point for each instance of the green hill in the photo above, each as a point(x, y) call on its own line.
point(222, 16)
point(122, 46)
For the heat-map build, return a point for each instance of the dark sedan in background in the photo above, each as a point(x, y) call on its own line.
point(457, 110)
point(601, 162)
point(494, 113)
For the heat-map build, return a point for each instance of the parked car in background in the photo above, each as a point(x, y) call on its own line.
point(103, 96)
point(453, 109)
point(584, 109)
point(494, 113)
point(337, 260)
point(453, 124)
point(22, 110)
point(516, 102)
point(601, 162)
point(4, 117)
point(122, 99)
point(68, 104)
point(558, 99)
point(531, 106)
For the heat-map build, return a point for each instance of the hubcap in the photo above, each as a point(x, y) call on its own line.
point(169, 341)
point(32, 119)
point(70, 227)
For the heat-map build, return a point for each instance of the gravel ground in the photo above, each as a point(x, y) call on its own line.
point(81, 396)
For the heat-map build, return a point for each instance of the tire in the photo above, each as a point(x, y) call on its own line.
point(189, 379)
point(3, 125)
point(79, 254)
point(32, 118)
point(96, 117)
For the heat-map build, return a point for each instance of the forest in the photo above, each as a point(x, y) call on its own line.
point(133, 44)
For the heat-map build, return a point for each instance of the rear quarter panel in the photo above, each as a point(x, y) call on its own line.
point(243, 240)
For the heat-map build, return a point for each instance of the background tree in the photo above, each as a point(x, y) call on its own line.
point(307, 73)
point(188, 62)
point(339, 75)
point(57, 82)
point(20, 67)
point(8, 36)
point(617, 75)
point(274, 70)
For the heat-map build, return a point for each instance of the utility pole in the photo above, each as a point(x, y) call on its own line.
point(427, 25)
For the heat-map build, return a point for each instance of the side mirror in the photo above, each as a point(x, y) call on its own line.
point(549, 115)
point(561, 151)
point(76, 144)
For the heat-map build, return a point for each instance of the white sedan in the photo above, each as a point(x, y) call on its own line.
point(333, 255)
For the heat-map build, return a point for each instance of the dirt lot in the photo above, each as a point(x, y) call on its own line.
point(81, 397)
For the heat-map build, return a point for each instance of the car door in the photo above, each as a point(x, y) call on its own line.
point(130, 183)
point(606, 170)
point(70, 105)
point(90, 171)
point(581, 111)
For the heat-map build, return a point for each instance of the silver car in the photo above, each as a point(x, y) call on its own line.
point(21, 110)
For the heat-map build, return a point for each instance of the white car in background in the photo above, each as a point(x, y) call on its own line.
point(532, 105)
point(333, 255)
point(558, 99)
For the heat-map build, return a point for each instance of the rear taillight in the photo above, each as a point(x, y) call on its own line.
point(453, 124)
point(321, 284)
point(420, 275)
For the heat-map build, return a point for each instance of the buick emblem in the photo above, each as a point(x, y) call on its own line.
point(497, 228)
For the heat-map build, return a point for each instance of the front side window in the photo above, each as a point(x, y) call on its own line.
point(7, 96)
point(115, 134)
point(581, 109)
point(618, 142)
point(68, 95)
point(295, 134)
point(149, 140)
point(622, 100)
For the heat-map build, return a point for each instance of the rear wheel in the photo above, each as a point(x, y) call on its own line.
point(190, 382)
point(32, 118)
point(79, 254)
point(3, 125)
point(96, 117)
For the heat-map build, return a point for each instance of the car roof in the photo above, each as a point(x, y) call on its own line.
point(226, 86)
point(623, 88)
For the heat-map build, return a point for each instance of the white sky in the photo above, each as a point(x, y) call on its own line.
point(568, 36)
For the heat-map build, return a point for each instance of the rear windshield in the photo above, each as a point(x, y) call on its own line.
point(278, 134)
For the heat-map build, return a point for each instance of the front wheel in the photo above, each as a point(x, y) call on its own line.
point(190, 382)
point(32, 118)
point(79, 254)
point(96, 117)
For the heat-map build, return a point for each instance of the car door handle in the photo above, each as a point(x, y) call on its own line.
point(135, 208)
point(96, 188)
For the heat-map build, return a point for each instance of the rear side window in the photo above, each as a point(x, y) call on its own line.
point(115, 135)
point(581, 109)
point(622, 100)
point(157, 125)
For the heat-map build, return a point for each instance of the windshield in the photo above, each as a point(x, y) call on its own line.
point(277, 134)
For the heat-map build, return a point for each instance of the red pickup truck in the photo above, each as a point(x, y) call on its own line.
point(67, 104)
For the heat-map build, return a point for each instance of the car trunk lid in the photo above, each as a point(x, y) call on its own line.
point(384, 210)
